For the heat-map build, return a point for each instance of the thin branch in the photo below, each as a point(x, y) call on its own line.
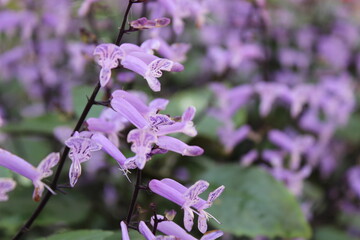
point(135, 195)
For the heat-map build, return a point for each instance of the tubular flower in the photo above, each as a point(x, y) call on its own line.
point(144, 23)
point(188, 199)
point(108, 56)
point(171, 229)
point(109, 123)
point(134, 58)
point(81, 145)
point(153, 126)
point(6, 185)
point(22, 167)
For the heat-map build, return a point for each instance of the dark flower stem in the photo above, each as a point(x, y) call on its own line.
point(135, 195)
point(122, 28)
point(53, 185)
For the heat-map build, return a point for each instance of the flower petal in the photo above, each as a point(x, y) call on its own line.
point(175, 145)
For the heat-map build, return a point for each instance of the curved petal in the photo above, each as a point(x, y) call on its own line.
point(175, 145)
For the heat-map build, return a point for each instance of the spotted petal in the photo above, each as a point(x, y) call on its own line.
point(49, 162)
point(107, 56)
point(81, 148)
point(142, 143)
point(192, 194)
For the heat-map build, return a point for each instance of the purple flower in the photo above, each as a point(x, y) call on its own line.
point(124, 231)
point(108, 56)
point(171, 229)
point(292, 178)
point(110, 149)
point(136, 59)
point(334, 51)
point(81, 145)
point(110, 123)
point(268, 93)
point(294, 145)
point(230, 100)
point(188, 199)
point(85, 7)
point(6, 185)
point(298, 97)
point(144, 23)
point(153, 126)
point(150, 67)
point(353, 176)
point(126, 77)
point(230, 137)
point(249, 158)
point(22, 167)
point(175, 52)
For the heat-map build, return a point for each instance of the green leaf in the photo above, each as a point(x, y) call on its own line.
point(134, 235)
point(351, 132)
point(65, 209)
point(208, 127)
point(198, 98)
point(80, 95)
point(43, 124)
point(331, 233)
point(255, 204)
point(80, 235)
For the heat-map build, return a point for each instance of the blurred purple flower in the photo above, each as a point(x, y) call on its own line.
point(110, 123)
point(269, 93)
point(353, 176)
point(294, 145)
point(144, 23)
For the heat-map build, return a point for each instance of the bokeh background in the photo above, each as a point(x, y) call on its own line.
point(276, 88)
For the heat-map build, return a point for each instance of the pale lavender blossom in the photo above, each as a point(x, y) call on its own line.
point(269, 93)
point(85, 7)
point(150, 67)
point(108, 56)
point(230, 137)
point(6, 185)
point(292, 178)
point(126, 77)
point(109, 123)
point(22, 167)
point(81, 145)
point(153, 126)
point(298, 97)
point(230, 100)
point(249, 158)
point(334, 52)
point(179, 10)
point(124, 231)
point(135, 58)
point(353, 176)
point(188, 199)
point(294, 58)
point(295, 145)
point(144, 23)
point(175, 52)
